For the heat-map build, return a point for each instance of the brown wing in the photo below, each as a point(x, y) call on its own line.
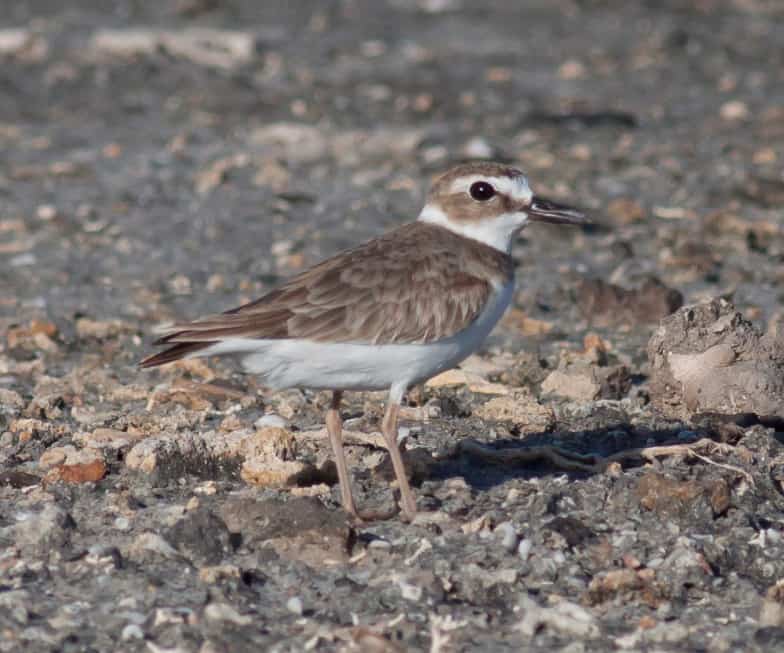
point(416, 284)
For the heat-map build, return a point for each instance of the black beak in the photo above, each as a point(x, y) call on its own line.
point(542, 210)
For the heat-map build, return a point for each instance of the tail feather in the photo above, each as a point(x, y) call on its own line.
point(175, 353)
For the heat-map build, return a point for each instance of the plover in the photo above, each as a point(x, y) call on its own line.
point(390, 313)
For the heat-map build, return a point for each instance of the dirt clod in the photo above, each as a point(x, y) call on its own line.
point(709, 358)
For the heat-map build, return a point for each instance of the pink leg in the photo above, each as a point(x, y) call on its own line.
point(334, 428)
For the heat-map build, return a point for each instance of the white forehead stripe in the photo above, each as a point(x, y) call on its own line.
point(514, 187)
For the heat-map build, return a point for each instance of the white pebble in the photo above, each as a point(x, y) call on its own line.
point(21, 260)
point(122, 524)
point(478, 148)
point(132, 631)
point(380, 544)
point(271, 420)
point(507, 534)
point(294, 604)
point(524, 548)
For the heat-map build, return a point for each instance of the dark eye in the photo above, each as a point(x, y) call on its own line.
point(481, 191)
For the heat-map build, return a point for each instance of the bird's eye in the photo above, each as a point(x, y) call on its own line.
point(481, 191)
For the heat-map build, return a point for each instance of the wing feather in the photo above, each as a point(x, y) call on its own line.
point(417, 284)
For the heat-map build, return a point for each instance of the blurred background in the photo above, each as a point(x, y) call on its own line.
point(165, 159)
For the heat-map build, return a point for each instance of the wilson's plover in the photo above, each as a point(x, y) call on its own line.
point(390, 313)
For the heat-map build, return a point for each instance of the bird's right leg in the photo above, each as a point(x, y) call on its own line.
point(334, 428)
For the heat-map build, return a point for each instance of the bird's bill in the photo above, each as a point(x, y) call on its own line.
point(544, 210)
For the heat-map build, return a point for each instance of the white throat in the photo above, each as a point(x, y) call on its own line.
point(498, 232)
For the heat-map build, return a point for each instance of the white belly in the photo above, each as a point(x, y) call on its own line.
point(287, 363)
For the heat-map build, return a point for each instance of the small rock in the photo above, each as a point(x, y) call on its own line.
point(72, 465)
point(144, 456)
point(13, 604)
point(507, 536)
point(300, 528)
point(565, 617)
point(719, 496)
point(17, 479)
point(582, 377)
point(268, 442)
point(151, 543)
point(201, 536)
point(272, 174)
point(571, 69)
point(525, 325)
point(689, 500)
point(294, 142)
point(294, 605)
point(105, 438)
point(624, 211)
point(453, 378)
point(55, 456)
point(225, 612)
point(607, 585)
point(657, 492)
point(131, 631)
point(734, 110)
point(45, 532)
point(88, 472)
point(477, 584)
point(266, 472)
point(420, 586)
point(271, 420)
point(10, 402)
point(122, 523)
point(23, 44)
point(209, 47)
point(19, 335)
point(522, 409)
point(101, 329)
point(772, 611)
point(479, 148)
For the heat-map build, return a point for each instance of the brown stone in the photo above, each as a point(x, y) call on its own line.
point(670, 497)
point(608, 585)
point(664, 495)
point(105, 438)
point(100, 329)
point(18, 335)
point(586, 377)
point(624, 211)
point(516, 319)
point(521, 409)
point(79, 472)
point(269, 472)
point(299, 528)
point(719, 495)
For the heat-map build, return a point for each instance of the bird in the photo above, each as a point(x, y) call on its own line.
point(388, 314)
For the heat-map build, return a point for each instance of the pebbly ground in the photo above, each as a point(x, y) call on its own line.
point(579, 492)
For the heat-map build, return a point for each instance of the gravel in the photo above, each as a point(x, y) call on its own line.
point(598, 477)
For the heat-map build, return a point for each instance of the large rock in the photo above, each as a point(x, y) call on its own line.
point(708, 358)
